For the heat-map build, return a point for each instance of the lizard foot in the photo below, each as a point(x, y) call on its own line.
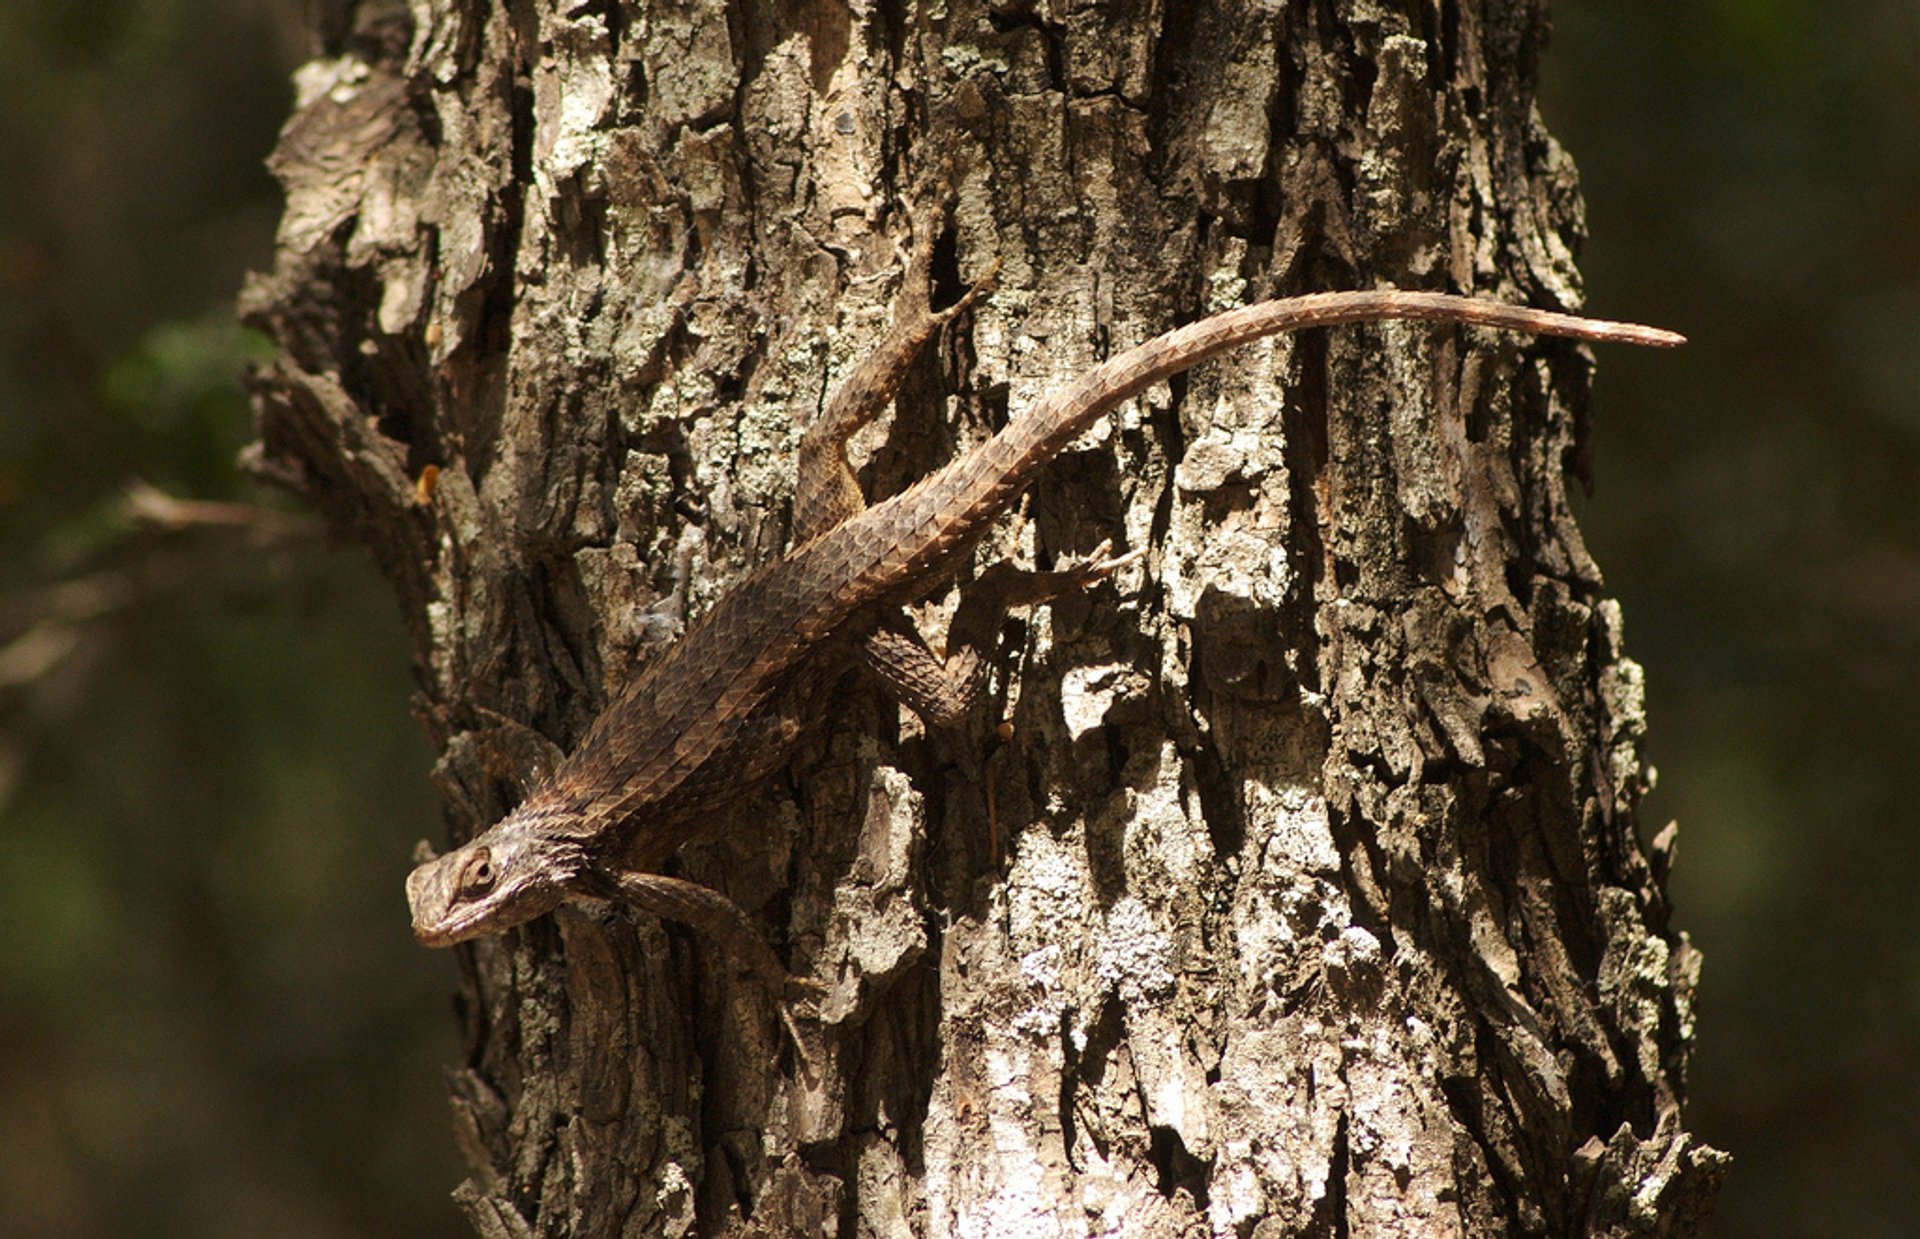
point(1086, 571)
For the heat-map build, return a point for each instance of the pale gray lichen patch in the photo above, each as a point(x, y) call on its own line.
point(1048, 922)
point(1136, 954)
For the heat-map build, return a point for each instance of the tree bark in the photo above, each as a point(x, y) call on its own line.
point(1304, 895)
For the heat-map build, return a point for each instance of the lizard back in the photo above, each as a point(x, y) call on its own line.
point(693, 702)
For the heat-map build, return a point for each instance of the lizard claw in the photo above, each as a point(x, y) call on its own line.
point(1095, 566)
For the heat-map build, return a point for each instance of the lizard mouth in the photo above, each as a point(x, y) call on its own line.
point(446, 932)
point(435, 935)
point(429, 930)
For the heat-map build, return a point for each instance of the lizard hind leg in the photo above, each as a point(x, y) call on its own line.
point(825, 491)
point(942, 691)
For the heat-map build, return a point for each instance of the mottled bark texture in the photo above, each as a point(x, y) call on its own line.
point(1304, 894)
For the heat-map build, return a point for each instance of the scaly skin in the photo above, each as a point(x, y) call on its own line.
point(720, 711)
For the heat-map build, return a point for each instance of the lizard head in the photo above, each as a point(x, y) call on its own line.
point(506, 876)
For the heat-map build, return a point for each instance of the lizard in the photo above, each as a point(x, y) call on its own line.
point(705, 723)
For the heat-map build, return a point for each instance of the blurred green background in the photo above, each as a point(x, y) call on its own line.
point(212, 1020)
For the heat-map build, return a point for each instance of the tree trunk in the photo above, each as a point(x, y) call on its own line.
point(1304, 894)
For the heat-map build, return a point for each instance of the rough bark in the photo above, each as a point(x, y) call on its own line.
point(1304, 896)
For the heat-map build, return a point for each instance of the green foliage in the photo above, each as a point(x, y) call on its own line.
point(179, 386)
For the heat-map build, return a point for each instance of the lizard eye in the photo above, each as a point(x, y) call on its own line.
point(478, 876)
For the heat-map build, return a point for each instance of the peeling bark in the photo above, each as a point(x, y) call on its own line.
point(1305, 896)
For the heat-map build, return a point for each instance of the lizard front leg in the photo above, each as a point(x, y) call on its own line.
point(826, 493)
point(715, 917)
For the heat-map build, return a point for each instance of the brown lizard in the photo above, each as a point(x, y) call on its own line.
point(720, 711)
